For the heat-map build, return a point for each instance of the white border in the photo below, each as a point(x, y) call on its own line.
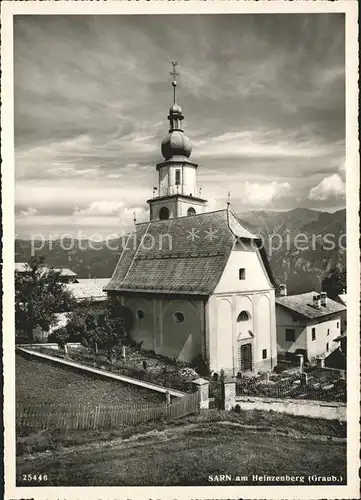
point(49, 7)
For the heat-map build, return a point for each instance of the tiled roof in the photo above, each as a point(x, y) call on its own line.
point(303, 304)
point(87, 290)
point(179, 255)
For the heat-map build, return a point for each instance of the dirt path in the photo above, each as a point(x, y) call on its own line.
point(169, 434)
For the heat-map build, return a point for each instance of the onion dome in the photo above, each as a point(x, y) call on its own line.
point(176, 144)
point(175, 110)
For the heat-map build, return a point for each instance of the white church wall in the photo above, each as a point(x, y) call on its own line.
point(163, 180)
point(189, 180)
point(225, 333)
point(265, 351)
point(225, 344)
point(181, 330)
point(183, 206)
point(157, 205)
point(143, 327)
point(161, 330)
point(244, 329)
point(243, 256)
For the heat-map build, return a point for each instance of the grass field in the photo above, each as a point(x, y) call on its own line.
point(43, 382)
point(186, 455)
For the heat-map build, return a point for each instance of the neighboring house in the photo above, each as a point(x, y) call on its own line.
point(337, 359)
point(88, 292)
point(342, 299)
point(196, 283)
point(307, 323)
point(22, 267)
point(65, 275)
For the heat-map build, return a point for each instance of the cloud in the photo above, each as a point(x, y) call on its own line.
point(263, 100)
point(101, 208)
point(262, 194)
point(330, 187)
point(29, 212)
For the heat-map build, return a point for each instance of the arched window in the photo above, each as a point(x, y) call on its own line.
point(178, 317)
point(191, 211)
point(243, 316)
point(140, 314)
point(164, 213)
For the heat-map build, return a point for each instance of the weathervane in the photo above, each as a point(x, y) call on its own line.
point(174, 74)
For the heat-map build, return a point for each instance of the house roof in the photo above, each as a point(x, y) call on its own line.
point(337, 359)
point(343, 298)
point(340, 337)
point(87, 290)
point(303, 304)
point(184, 255)
point(64, 271)
point(22, 267)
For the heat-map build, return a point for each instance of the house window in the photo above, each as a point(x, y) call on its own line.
point(290, 334)
point(177, 177)
point(313, 333)
point(178, 317)
point(242, 274)
point(327, 347)
point(243, 316)
point(164, 213)
point(264, 354)
point(338, 324)
point(328, 331)
point(191, 211)
point(140, 314)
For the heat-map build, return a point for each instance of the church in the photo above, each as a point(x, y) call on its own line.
point(196, 283)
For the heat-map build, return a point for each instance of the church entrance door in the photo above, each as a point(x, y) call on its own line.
point(245, 353)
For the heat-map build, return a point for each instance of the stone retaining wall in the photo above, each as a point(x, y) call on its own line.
point(304, 408)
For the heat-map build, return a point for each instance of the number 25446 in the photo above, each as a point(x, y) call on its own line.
point(35, 478)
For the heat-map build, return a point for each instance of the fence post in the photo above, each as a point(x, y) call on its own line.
point(201, 386)
point(229, 394)
point(167, 397)
point(304, 379)
point(300, 360)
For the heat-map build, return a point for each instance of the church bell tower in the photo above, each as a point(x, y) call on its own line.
point(177, 194)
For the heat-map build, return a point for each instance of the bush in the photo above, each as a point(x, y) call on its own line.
point(237, 409)
point(201, 366)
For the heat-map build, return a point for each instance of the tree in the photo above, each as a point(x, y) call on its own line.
point(334, 283)
point(93, 328)
point(39, 296)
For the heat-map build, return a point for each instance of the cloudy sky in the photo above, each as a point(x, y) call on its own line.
point(263, 98)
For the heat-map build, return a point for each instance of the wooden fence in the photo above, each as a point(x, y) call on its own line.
point(46, 416)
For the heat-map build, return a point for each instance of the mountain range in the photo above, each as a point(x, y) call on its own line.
point(303, 246)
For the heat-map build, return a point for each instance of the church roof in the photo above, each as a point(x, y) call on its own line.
point(184, 255)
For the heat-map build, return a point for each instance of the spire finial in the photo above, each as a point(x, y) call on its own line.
point(134, 218)
point(228, 199)
point(174, 74)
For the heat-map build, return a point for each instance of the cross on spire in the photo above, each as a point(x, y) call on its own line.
point(174, 74)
